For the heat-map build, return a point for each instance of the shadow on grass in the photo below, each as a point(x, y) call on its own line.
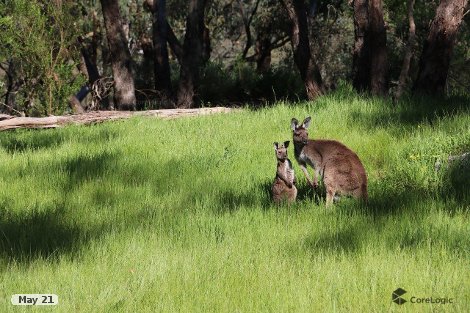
point(38, 234)
point(412, 111)
point(456, 182)
point(230, 201)
point(342, 241)
point(403, 220)
point(88, 167)
point(260, 196)
point(391, 203)
point(34, 140)
point(50, 233)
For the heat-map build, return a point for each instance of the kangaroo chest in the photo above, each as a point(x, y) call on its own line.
point(287, 169)
point(305, 159)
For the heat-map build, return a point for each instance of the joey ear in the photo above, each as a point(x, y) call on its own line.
point(306, 122)
point(293, 123)
point(286, 144)
point(276, 145)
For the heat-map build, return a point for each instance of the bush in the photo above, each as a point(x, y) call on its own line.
point(241, 83)
point(37, 42)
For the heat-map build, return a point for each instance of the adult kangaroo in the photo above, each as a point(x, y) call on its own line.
point(340, 168)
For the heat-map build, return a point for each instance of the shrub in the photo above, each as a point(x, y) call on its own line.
point(37, 39)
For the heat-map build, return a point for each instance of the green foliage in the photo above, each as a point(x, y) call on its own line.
point(175, 215)
point(38, 39)
point(242, 83)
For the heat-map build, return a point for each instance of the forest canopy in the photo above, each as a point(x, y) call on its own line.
point(62, 56)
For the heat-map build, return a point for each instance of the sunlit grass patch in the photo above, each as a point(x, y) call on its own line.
point(175, 215)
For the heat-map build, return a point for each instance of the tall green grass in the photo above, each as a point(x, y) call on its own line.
point(150, 215)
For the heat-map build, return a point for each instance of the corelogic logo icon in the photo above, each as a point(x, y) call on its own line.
point(396, 296)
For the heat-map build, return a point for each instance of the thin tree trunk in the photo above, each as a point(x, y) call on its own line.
point(370, 68)
point(192, 54)
point(95, 40)
point(206, 46)
point(263, 48)
point(361, 52)
point(405, 68)
point(247, 25)
point(160, 38)
point(438, 47)
point(124, 90)
point(173, 42)
point(91, 68)
point(309, 71)
point(175, 45)
point(378, 55)
point(91, 71)
point(13, 86)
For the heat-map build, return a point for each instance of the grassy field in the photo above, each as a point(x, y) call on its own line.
point(150, 215)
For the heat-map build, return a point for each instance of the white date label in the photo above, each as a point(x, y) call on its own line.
point(34, 299)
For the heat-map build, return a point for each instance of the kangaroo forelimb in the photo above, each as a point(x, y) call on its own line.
point(314, 184)
point(285, 179)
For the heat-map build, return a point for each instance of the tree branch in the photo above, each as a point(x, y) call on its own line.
point(175, 44)
point(247, 24)
point(280, 42)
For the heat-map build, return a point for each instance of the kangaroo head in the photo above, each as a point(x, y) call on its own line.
point(300, 133)
point(281, 150)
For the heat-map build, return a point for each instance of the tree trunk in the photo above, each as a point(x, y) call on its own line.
point(247, 25)
point(124, 91)
point(262, 55)
point(95, 39)
point(361, 52)
point(370, 68)
point(437, 50)
point(308, 69)
point(206, 45)
point(175, 46)
point(402, 80)
point(192, 54)
point(160, 37)
point(14, 84)
point(90, 69)
point(378, 44)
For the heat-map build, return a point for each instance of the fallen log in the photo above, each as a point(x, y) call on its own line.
point(9, 122)
point(5, 117)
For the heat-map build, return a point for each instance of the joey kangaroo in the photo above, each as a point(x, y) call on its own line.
point(340, 168)
point(284, 183)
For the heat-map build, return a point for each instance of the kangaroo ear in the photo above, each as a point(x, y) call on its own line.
point(293, 123)
point(286, 144)
point(306, 122)
point(276, 145)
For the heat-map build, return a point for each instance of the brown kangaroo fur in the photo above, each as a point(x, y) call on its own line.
point(284, 184)
point(340, 168)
